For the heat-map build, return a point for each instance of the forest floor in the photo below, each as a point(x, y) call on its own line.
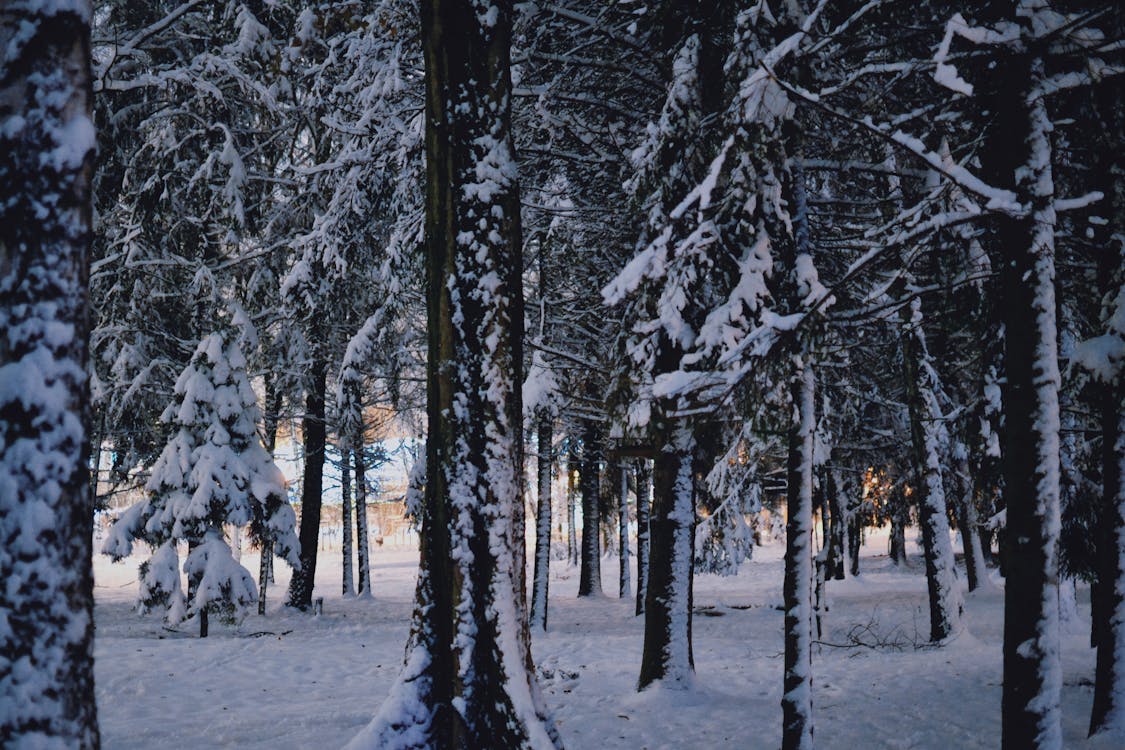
point(289, 680)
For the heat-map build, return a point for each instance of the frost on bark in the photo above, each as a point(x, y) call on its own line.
point(796, 701)
point(542, 527)
point(624, 588)
point(945, 599)
point(667, 655)
point(644, 489)
point(1032, 672)
point(468, 680)
point(314, 439)
point(46, 160)
point(590, 574)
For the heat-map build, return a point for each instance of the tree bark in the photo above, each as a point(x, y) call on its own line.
point(542, 572)
point(1032, 672)
point(46, 161)
point(590, 576)
point(346, 520)
point(668, 600)
point(362, 543)
point(314, 439)
point(644, 491)
point(468, 680)
point(572, 470)
point(624, 589)
point(1108, 596)
point(796, 702)
point(945, 598)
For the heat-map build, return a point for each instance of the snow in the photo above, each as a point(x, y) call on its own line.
point(314, 682)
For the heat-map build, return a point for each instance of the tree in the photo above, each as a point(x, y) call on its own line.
point(467, 681)
point(213, 471)
point(46, 162)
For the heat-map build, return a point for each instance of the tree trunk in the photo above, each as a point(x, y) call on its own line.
point(668, 600)
point(1032, 672)
point(946, 603)
point(572, 469)
point(837, 538)
point(796, 702)
point(1108, 596)
point(1108, 713)
point(590, 576)
point(644, 500)
point(975, 570)
point(313, 432)
point(543, 526)
point(468, 680)
point(46, 161)
point(362, 543)
point(855, 541)
point(346, 520)
point(624, 589)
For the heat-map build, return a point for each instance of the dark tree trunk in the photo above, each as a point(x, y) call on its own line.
point(348, 583)
point(1108, 596)
point(1032, 672)
point(624, 589)
point(837, 536)
point(468, 680)
point(590, 576)
point(314, 438)
point(668, 600)
point(975, 570)
point(572, 470)
point(46, 162)
point(900, 517)
point(796, 702)
point(541, 577)
point(855, 541)
point(644, 489)
point(362, 543)
point(941, 572)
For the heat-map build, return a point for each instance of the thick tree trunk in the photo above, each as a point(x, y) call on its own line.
point(362, 543)
point(624, 589)
point(946, 603)
point(667, 653)
point(1108, 713)
point(1032, 672)
point(542, 573)
point(346, 519)
point(590, 576)
point(313, 431)
point(468, 680)
point(644, 499)
point(796, 702)
point(1108, 596)
point(46, 161)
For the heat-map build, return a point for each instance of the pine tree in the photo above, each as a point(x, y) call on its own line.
point(468, 680)
point(213, 471)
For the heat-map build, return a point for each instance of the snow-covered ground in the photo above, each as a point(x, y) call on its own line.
point(296, 681)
